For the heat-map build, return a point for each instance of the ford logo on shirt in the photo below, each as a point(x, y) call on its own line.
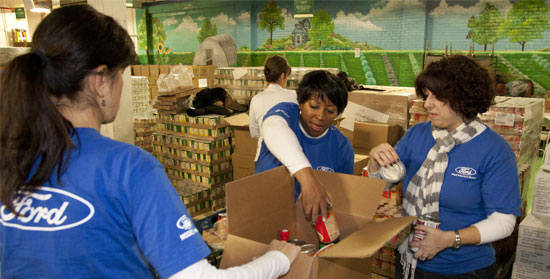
point(323, 168)
point(465, 171)
point(47, 209)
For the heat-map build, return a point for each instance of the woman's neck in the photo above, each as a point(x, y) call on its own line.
point(86, 117)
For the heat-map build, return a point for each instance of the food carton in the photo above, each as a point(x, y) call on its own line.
point(259, 206)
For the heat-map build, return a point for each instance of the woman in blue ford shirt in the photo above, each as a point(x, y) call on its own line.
point(302, 138)
point(76, 204)
point(459, 171)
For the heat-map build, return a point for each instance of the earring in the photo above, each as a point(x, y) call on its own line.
point(103, 102)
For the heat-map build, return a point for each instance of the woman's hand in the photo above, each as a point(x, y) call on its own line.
point(314, 195)
point(434, 241)
point(290, 250)
point(380, 156)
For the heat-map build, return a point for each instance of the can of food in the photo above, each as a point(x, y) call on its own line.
point(284, 235)
point(394, 172)
point(427, 221)
point(327, 231)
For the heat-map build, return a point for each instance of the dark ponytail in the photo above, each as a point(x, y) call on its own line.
point(35, 138)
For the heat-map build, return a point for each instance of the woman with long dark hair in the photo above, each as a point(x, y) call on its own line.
point(76, 204)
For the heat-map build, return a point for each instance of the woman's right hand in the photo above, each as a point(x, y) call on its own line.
point(314, 195)
point(380, 156)
point(290, 250)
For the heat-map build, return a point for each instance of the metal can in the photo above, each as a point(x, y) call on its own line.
point(327, 231)
point(297, 242)
point(394, 172)
point(308, 249)
point(427, 221)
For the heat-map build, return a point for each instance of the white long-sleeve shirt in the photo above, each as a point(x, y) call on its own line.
point(262, 103)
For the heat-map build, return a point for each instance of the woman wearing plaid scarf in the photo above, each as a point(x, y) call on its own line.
point(459, 172)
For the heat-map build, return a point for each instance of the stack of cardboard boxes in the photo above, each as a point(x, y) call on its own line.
point(533, 246)
point(195, 151)
point(245, 146)
point(144, 122)
point(144, 128)
point(243, 83)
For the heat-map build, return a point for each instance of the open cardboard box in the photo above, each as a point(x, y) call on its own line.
point(259, 206)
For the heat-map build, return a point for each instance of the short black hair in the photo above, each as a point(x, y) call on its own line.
point(323, 85)
point(461, 82)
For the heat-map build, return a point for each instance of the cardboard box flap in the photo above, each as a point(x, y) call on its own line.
point(239, 251)
point(239, 120)
point(255, 205)
point(366, 241)
point(352, 193)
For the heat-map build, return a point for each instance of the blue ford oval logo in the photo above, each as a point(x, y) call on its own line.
point(327, 169)
point(47, 209)
point(465, 171)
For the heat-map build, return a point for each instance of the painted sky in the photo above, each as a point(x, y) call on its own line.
point(384, 23)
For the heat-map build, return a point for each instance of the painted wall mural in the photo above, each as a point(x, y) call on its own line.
point(513, 29)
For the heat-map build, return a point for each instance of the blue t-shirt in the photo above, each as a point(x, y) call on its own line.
point(332, 152)
point(114, 215)
point(481, 178)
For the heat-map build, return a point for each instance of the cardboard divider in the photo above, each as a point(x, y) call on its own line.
point(357, 194)
point(262, 208)
point(369, 235)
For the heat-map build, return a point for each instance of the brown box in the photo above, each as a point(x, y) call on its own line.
point(391, 101)
point(360, 161)
point(164, 69)
point(144, 70)
point(244, 143)
point(243, 165)
point(154, 71)
point(259, 206)
point(368, 135)
point(136, 70)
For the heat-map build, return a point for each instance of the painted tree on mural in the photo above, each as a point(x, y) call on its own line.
point(158, 35)
point(526, 21)
point(322, 27)
point(485, 29)
point(271, 18)
point(207, 30)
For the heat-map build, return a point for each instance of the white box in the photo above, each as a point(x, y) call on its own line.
point(524, 272)
point(533, 249)
point(541, 195)
point(534, 232)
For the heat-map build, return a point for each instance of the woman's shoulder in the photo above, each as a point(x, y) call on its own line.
point(94, 145)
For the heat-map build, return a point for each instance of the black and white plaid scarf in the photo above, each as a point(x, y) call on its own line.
point(422, 196)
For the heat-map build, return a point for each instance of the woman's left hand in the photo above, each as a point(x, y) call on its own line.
point(434, 241)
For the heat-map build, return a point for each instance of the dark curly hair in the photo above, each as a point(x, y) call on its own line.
point(460, 82)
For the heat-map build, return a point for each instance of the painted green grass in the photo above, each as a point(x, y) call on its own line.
point(332, 60)
point(402, 66)
point(376, 63)
point(185, 58)
point(355, 69)
point(293, 59)
point(528, 66)
point(311, 59)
